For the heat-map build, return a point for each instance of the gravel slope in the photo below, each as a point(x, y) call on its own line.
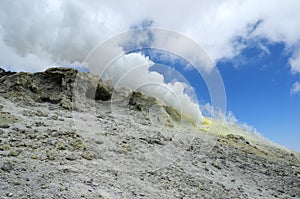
point(49, 152)
point(129, 148)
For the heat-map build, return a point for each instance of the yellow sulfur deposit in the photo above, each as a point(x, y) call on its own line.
point(206, 121)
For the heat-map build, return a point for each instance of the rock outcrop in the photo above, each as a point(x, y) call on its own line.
point(55, 85)
point(4, 73)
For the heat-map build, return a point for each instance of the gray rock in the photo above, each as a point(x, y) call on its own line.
point(71, 157)
point(15, 153)
point(7, 166)
point(88, 155)
point(56, 86)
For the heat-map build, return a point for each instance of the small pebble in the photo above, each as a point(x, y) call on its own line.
point(4, 147)
point(35, 157)
point(7, 166)
point(71, 157)
point(54, 117)
point(99, 142)
point(60, 146)
point(88, 155)
point(15, 153)
point(50, 155)
point(44, 186)
point(16, 183)
point(78, 145)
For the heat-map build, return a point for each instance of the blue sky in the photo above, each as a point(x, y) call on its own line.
point(259, 92)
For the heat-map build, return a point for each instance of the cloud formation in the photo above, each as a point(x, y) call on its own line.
point(294, 61)
point(37, 33)
point(295, 88)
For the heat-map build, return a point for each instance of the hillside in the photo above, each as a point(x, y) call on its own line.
point(67, 134)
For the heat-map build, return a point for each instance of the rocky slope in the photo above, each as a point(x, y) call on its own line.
point(65, 134)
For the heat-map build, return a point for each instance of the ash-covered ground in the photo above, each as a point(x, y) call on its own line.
point(64, 138)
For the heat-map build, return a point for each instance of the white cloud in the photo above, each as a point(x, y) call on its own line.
point(264, 49)
point(248, 128)
point(294, 61)
point(230, 117)
point(210, 111)
point(295, 88)
point(36, 32)
point(65, 31)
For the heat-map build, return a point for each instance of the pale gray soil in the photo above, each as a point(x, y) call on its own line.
point(130, 147)
point(48, 152)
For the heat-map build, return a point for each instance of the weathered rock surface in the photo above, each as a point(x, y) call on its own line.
point(55, 85)
point(5, 73)
point(117, 149)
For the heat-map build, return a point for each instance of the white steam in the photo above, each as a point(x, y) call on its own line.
point(133, 71)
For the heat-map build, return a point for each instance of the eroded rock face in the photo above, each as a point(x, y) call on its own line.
point(3, 72)
point(140, 102)
point(55, 85)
